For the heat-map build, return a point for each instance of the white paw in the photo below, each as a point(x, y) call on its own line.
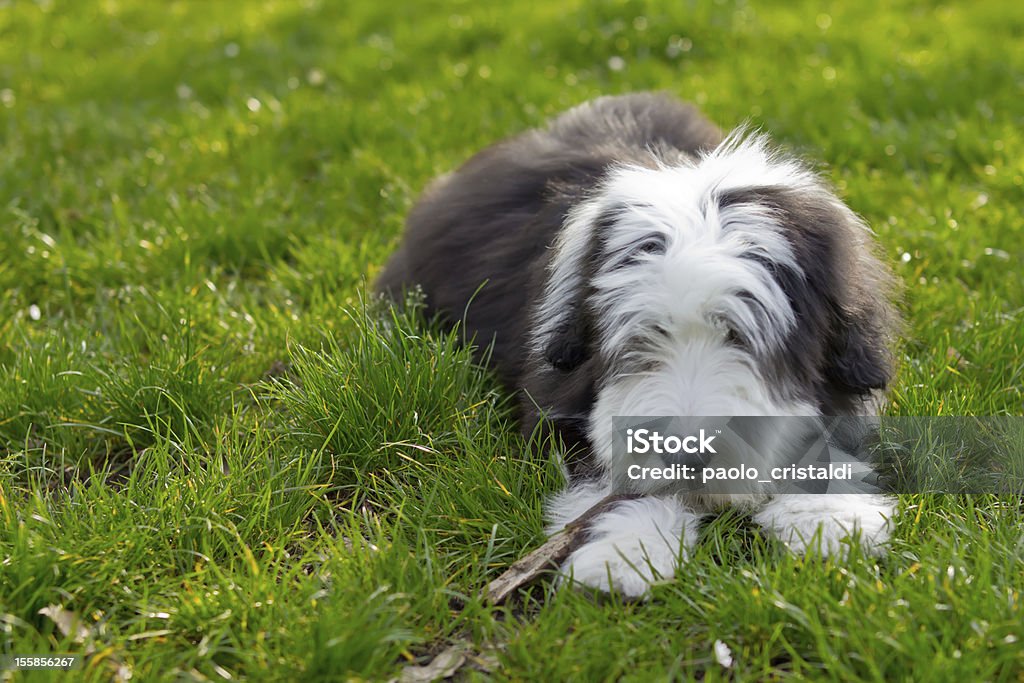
point(632, 545)
point(827, 522)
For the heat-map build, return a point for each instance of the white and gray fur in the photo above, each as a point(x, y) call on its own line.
point(628, 260)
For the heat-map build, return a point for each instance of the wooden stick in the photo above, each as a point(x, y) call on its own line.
point(524, 571)
point(548, 556)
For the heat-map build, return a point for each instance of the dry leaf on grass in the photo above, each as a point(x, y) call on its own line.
point(68, 623)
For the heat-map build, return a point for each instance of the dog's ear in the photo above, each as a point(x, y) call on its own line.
point(858, 360)
point(566, 328)
point(841, 292)
point(859, 356)
point(590, 245)
point(568, 346)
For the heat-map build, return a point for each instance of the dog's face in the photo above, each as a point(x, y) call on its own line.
point(735, 285)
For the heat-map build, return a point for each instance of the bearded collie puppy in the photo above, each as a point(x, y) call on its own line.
point(629, 260)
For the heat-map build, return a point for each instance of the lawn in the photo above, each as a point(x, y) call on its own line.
point(224, 464)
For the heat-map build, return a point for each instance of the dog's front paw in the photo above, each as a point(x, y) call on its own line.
point(629, 547)
point(828, 522)
point(626, 566)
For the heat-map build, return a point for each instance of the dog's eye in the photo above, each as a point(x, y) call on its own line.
point(634, 252)
point(652, 244)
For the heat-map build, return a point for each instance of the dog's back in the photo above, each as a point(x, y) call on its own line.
point(477, 240)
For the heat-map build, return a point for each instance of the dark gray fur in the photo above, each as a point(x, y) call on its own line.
point(478, 243)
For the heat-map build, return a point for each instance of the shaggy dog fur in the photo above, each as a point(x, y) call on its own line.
point(628, 260)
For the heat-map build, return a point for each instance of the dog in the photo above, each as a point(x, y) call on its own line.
point(630, 259)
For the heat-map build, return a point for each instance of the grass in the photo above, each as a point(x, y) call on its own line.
point(215, 456)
